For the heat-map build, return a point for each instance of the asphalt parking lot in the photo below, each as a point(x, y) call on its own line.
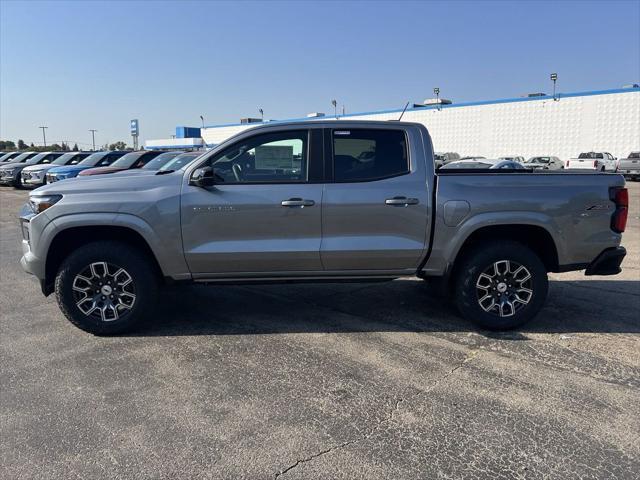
point(322, 381)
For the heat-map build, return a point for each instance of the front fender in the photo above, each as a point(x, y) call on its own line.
point(167, 251)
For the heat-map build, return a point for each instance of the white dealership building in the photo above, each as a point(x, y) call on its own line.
point(564, 126)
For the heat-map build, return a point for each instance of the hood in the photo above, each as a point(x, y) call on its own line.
point(39, 167)
point(99, 171)
point(68, 168)
point(135, 172)
point(9, 166)
point(110, 184)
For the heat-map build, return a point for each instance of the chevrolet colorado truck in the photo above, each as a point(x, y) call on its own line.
point(320, 201)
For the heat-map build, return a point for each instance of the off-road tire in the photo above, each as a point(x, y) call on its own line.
point(477, 261)
point(137, 265)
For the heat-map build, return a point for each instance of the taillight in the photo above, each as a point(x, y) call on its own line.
point(567, 166)
point(620, 196)
point(595, 164)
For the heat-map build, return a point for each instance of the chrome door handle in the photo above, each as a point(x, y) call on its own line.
point(401, 201)
point(297, 202)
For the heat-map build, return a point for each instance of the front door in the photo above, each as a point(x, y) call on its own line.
point(375, 211)
point(263, 215)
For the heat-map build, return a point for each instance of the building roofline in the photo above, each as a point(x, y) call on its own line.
point(435, 107)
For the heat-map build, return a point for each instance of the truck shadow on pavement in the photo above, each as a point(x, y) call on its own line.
point(597, 306)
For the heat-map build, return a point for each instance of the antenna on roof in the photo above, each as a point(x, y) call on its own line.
point(403, 110)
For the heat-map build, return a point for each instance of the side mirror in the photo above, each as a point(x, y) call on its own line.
point(202, 177)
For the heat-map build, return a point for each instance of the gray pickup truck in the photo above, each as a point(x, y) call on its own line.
point(320, 201)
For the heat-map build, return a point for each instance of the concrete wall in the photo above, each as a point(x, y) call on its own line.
point(607, 120)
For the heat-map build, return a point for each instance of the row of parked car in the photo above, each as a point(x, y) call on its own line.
point(34, 169)
point(597, 161)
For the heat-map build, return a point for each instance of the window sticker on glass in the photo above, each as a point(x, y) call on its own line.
point(341, 132)
point(274, 156)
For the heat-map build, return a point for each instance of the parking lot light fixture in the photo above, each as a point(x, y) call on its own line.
point(335, 108)
point(436, 92)
point(554, 79)
point(261, 113)
point(202, 118)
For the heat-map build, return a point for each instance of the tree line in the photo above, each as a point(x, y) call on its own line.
point(8, 145)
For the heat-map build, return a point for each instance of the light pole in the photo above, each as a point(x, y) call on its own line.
point(436, 91)
point(44, 138)
point(335, 108)
point(93, 137)
point(202, 118)
point(261, 113)
point(554, 79)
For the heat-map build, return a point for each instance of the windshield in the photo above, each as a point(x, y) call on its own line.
point(70, 158)
point(93, 159)
point(160, 160)
point(127, 160)
point(539, 160)
point(23, 157)
point(590, 155)
point(8, 156)
point(180, 161)
point(38, 158)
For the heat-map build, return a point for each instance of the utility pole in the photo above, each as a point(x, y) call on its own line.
point(261, 111)
point(44, 138)
point(93, 137)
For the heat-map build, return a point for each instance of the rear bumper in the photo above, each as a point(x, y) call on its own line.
point(608, 262)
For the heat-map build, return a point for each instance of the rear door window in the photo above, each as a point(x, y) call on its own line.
point(364, 155)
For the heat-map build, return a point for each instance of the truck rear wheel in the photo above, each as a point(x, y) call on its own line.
point(106, 287)
point(500, 286)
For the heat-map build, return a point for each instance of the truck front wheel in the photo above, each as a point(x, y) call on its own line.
point(501, 285)
point(106, 287)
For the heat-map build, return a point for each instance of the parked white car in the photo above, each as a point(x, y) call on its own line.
point(598, 161)
point(544, 163)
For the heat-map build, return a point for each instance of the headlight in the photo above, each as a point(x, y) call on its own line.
point(39, 203)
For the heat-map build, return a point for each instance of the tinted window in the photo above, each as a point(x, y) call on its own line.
point(160, 160)
point(110, 158)
point(78, 158)
point(93, 159)
point(272, 157)
point(361, 155)
point(23, 157)
point(634, 155)
point(180, 161)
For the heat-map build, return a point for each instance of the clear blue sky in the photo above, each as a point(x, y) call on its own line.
point(80, 65)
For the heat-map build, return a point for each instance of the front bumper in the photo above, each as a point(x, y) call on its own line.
point(608, 262)
point(7, 179)
point(32, 178)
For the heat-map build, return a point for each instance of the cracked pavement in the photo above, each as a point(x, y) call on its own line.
point(339, 381)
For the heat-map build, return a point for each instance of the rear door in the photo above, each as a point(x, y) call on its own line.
point(263, 215)
point(375, 207)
